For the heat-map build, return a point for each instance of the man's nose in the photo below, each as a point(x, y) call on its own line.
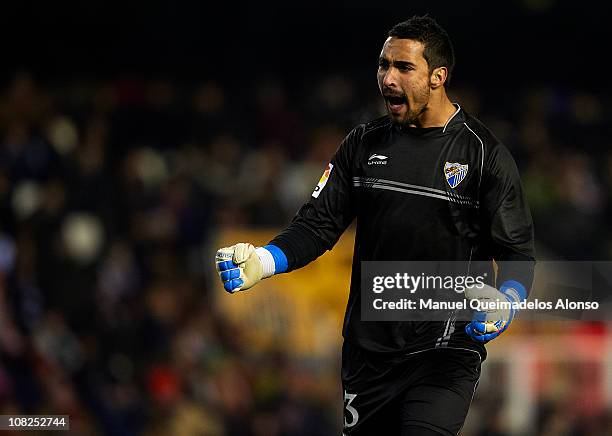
point(389, 79)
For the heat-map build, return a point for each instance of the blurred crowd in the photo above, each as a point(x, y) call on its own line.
point(112, 193)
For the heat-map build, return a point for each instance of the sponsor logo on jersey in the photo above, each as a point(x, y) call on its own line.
point(455, 173)
point(377, 159)
point(322, 181)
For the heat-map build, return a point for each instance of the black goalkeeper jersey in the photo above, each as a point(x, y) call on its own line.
point(443, 193)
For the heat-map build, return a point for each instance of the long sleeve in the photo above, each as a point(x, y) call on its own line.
point(320, 222)
point(506, 210)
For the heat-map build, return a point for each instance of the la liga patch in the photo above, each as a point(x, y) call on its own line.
point(322, 181)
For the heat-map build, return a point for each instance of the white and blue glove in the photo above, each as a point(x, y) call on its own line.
point(242, 266)
point(489, 324)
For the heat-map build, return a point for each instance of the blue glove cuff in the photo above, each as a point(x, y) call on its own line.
point(280, 260)
point(521, 292)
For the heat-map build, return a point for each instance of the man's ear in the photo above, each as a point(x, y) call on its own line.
point(438, 77)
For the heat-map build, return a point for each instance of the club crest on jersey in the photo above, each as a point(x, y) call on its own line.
point(455, 173)
point(323, 181)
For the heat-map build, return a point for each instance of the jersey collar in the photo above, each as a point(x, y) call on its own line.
point(455, 120)
point(452, 117)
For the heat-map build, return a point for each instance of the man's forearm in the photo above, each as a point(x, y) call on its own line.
point(515, 267)
point(300, 245)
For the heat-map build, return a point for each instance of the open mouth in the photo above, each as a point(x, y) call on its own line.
point(395, 102)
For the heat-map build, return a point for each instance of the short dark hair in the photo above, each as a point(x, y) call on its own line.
point(438, 50)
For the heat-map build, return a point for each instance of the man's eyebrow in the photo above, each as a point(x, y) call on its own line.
point(398, 63)
point(404, 64)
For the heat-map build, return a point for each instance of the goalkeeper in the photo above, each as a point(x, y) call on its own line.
point(427, 181)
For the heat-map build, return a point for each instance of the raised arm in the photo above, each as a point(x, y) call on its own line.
point(316, 228)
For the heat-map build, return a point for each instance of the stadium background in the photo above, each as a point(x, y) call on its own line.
point(136, 139)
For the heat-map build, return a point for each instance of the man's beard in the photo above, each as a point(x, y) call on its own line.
point(412, 114)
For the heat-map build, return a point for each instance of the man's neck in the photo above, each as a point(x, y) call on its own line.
point(437, 112)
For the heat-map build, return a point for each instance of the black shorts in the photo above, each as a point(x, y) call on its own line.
point(431, 389)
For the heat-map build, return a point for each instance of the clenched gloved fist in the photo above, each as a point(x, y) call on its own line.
point(242, 266)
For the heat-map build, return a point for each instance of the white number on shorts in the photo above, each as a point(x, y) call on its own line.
point(350, 409)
